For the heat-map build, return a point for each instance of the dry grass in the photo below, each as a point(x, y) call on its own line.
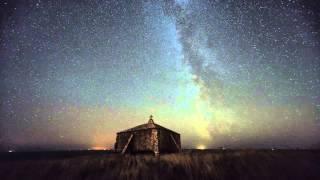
point(215, 164)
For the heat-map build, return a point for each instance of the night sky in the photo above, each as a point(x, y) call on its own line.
point(221, 73)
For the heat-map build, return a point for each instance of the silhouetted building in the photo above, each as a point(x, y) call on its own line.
point(149, 137)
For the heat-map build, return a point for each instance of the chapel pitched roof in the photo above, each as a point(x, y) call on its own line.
point(149, 125)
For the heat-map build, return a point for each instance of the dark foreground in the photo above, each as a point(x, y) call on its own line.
point(191, 164)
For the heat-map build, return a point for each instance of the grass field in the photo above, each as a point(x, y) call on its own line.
point(190, 164)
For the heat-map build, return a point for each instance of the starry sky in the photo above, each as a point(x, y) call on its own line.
point(222, 73)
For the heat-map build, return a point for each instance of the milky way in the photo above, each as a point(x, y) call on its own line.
point(221, 73)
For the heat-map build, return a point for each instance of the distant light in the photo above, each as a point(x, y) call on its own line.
point(10, 151)
point(97, 148)
point(201, 147)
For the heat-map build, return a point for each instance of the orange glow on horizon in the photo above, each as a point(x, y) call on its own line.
point(98, 148)
point(201, 147)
